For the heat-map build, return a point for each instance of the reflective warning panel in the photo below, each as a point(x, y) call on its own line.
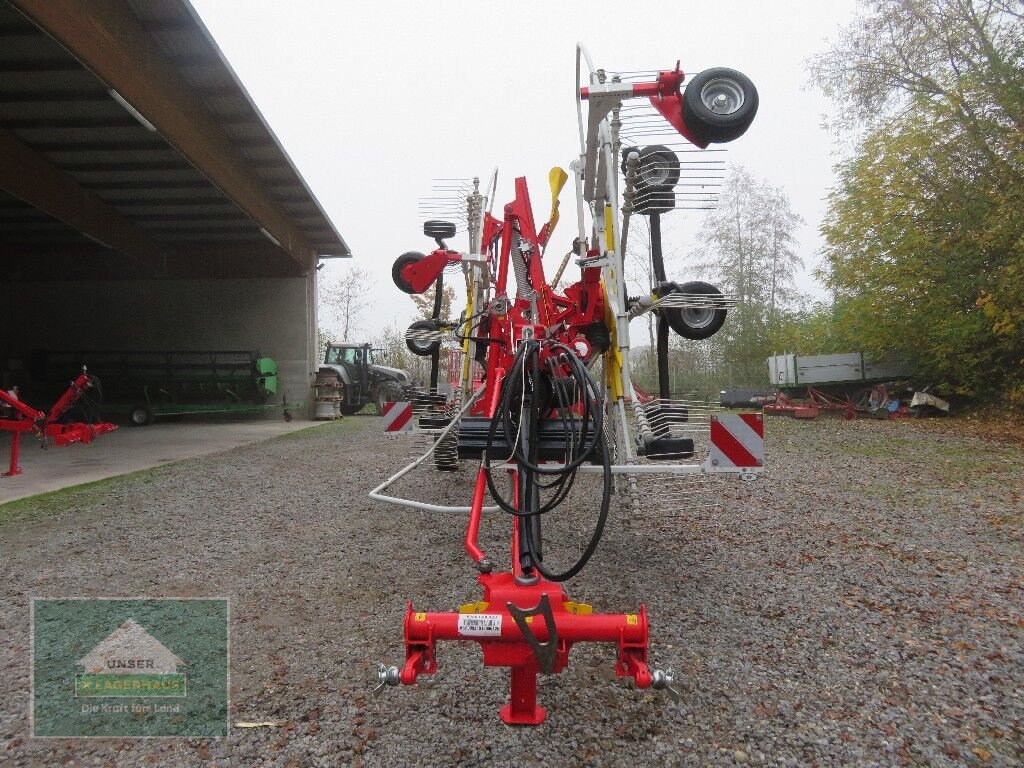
point(398, 417)
point(737, 440)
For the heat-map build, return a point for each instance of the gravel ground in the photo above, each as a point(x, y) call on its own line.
point(861, 605)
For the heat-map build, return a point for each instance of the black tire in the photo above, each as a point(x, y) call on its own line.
point(287, 415)
point(659, 172)
point(422, 348)
point(410, 257)
point(737, 96)
point(388, 391)
point(439, 230)
point(659, 166)
point(348, 409)
point(696, 324)
point(140, 415)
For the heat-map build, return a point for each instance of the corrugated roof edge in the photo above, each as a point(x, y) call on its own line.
point(263, 121)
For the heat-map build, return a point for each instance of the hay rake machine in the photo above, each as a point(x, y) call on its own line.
point(48, 425)
point(533, 413)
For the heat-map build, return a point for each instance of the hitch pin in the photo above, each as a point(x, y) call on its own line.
point(662, 681)
point(386, 676)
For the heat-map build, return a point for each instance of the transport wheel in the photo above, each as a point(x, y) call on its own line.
point(417, 346)
point(411, 257)
point(697, 324)
point(658, 174)
point(719, 105)
point(349, 409)
point(659, 165)
point(140, 415)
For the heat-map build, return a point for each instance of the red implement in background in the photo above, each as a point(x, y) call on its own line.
point(46, 424)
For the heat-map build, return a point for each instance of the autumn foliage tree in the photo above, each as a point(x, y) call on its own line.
point(924, 235)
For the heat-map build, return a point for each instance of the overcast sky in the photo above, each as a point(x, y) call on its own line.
point(374, 100)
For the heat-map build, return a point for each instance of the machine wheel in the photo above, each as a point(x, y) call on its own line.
point(659, 172)
point(388, 391)
point(697, 324)
point(422, 348)
point(410, 257)
point(719, 105)
point(348, 409)
point(140, 415)
point(659, 166)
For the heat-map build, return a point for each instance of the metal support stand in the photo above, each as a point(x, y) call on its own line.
point(522, 707)
point(15, 450)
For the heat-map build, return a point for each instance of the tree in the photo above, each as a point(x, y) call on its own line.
point(425, 302)
point(345, 298)
point(924, 240)
point(748, 247)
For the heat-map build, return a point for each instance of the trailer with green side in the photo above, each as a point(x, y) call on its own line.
point(146, 385)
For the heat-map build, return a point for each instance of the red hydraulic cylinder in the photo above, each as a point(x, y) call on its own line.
point(475, 512)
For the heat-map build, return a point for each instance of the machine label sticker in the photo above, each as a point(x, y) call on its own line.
point(137, 667)
point(480, 624)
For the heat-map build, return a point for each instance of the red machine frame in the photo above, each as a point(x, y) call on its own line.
point(510, 634)
point(46, 424)
point(526, 621)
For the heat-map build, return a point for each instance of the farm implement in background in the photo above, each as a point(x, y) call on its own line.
point(23, 419)
point(530, 411)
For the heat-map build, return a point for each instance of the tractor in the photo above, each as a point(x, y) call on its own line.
point(360, 380)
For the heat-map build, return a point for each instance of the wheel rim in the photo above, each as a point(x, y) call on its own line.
point(138, 416)
point(698, 318)
point(655, 171)
point(722, 96)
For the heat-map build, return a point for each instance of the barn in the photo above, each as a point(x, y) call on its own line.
point(145, 203)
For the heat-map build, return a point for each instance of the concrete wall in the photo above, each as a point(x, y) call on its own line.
point(272, 315)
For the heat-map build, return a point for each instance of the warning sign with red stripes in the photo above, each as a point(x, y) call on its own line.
point(398, 417)
point(737, 441)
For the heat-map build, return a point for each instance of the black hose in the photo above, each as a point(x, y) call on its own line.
point(579, 445)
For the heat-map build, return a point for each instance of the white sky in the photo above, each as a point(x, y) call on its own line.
point(374, 100)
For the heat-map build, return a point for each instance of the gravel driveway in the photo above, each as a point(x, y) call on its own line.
point(861, 605)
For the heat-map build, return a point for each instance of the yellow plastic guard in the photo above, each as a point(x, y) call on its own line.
point(609, 228)
point(480, 607)
point(613, 357)
point(556, 180)
point(580, 609)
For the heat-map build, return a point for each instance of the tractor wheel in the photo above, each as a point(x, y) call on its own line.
point(411, 257)
point(697, 324)
point(348, 409)
point(719, 105)
point(388, 391)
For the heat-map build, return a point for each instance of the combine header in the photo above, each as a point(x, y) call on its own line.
point(532, 414)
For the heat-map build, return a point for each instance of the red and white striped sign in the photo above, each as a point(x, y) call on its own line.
point(737, 440)
point(398, 417)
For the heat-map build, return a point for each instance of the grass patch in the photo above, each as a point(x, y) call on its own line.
point(54, 502)
point(346, 424)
